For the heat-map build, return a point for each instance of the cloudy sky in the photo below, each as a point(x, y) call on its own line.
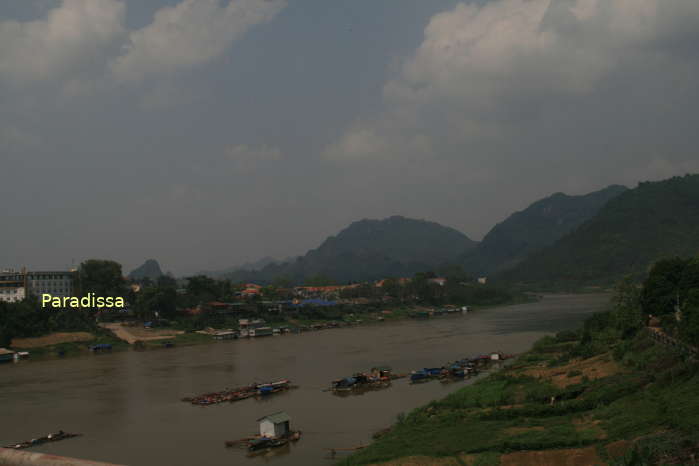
point(205, 133)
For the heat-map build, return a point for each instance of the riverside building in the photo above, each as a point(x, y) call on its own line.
point(55, 283)
point(16, 285)
point(12, 286)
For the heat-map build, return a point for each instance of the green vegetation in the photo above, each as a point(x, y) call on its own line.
point(608, 385)
point(539, 225)
point(642, 225)
point(101, 277)
point(78, 348)
point(26, 319)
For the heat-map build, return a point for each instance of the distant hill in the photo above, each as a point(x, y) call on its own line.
point(641, 225)
point(537, 226)
point(370, 249)
point(149, 269)
point(249, 266)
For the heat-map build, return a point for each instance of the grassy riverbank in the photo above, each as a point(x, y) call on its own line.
point(75, 348)
point(581, 398)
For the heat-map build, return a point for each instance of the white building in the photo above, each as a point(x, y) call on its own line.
point(482, 280)
point(12, 286)
point(275, 425)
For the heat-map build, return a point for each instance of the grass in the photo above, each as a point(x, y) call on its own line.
point(652, 396)
point(77, 348)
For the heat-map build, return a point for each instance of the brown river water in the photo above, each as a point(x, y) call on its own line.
point(127, 404)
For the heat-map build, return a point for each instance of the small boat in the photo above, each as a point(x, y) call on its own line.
point(417, 376)
point(427, 373)
point(346, 383)
point(101, 347)
point(258, 443)
point(265, 442)
point(60, 435)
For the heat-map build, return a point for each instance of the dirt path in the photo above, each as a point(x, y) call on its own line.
point(134, 334)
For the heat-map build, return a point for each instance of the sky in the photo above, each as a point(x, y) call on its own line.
point(207, 133)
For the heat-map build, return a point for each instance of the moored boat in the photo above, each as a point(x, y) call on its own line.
point(60, 435)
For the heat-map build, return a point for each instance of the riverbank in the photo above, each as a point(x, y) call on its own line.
point(126, 338)
point(137, 394)
point(579, 398)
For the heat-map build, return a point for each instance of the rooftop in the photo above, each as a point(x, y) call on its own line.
point(276, 418)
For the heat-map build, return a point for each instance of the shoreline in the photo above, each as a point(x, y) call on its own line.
point(106, 336)
point(564, 401)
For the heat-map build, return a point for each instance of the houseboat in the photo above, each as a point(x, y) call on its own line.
point(261, 332)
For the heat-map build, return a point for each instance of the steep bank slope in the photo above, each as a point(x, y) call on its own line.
point(578, 399)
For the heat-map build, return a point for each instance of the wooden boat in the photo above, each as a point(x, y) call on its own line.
point(264, 443)
point(257, 442)
point(60, 435)
point(240, 393)
point(426, 374)
point(376, 378)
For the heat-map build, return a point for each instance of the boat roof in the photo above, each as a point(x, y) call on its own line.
point(276, 418)
point(6, 351)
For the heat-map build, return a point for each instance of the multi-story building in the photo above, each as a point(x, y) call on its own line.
point(15, 286)
point(55, 283)
point(12, 286)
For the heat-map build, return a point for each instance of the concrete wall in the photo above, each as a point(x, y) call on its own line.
point(24, 458)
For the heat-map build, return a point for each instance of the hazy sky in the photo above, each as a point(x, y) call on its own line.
point(205, 133)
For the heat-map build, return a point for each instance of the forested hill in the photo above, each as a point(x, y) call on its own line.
point(371, 249)
point(647, 223)
point(537, 226)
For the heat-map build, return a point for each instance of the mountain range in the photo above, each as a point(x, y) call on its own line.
point(641, 225)
point(371, 249)
point(250, 266)
point(539, 225)
point(587, 239)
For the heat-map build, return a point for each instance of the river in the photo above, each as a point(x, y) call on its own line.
point(128, 407)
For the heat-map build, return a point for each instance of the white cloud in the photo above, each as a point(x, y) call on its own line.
point(188, 34)
point(82, 45)
point(483, 73)
point(245, 158)
point(74, 34)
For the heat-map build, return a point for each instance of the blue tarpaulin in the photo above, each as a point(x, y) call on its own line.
point(316, 302)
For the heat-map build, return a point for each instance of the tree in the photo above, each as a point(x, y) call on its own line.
point(662, 286)
point(156, 299)
point(627, 306)
point(690, 318)
point(319, 280)
point(203, 288)
point(281, 281)
point(689, 279)
point(102, 277)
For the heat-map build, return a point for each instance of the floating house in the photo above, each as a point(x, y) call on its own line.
point(261, 332)
point(275, 425)
point(225, 335)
